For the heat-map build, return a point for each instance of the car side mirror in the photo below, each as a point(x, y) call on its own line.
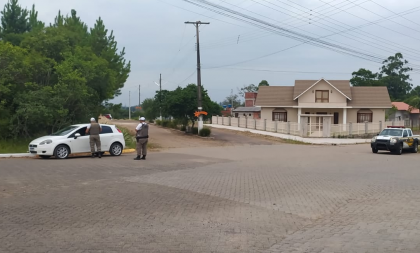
point(377, 134)
point(76, 136)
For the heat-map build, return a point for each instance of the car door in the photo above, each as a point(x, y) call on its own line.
point(404, 139)
point(410, 139)
point(106, 137)
point(80, 144)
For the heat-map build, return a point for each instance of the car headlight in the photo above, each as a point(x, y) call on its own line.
point(373, 139)
point(46, 142)
point(393, 141)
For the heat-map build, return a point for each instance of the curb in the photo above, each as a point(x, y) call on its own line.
point(21, 155)
point(26, 155)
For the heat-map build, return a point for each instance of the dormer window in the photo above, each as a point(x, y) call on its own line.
point(322, 96)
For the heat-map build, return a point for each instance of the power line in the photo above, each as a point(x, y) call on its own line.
point(394, 12)
point(290, 71)
point(283, 31)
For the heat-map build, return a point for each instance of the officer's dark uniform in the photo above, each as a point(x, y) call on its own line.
point(95, 139)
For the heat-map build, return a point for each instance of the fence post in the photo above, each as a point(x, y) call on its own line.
point(366, 127)
point(265, 124)
point(217, 119)
point(230, 121)
point(276, 126)
point(393, 122)
point(380, 126)
point(239, 122)
point(288, 127)
point(223, 120)
point(246, 122)
point(350, 128)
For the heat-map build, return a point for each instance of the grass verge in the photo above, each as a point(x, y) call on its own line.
point(130, 139)
point(14, 146)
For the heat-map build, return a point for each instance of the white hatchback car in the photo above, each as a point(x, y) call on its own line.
point(73, 139)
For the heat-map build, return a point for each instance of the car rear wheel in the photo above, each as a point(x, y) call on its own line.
point(45, 156)
point(61, 152)
point(116, 149)
point(374, 150)
point(415, 148)
point(399, 149)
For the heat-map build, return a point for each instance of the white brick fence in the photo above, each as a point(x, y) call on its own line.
point(312, 130)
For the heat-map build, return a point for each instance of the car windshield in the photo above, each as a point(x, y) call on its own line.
point(64, 131)
point(392, 132)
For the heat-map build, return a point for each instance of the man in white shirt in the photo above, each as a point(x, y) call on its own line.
point(142, 137)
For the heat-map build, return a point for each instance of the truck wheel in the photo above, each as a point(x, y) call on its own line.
point(415, 149)
point(399, 150)
point(374, 150)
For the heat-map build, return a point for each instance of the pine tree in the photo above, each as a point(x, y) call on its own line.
point(34, 23)
point(14, 19)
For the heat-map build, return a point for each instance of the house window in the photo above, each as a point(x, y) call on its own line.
point(364, 117)
point(322, 96)
point(280, 116)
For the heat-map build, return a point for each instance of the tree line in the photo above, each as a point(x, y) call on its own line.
point(57, 74)
point(180, 104)
point(394, 74)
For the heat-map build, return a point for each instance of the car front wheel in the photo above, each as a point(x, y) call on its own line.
point(44, 156)
point(374, 150)
point(415, 148)
point(399, 150)
point(62, 152)
point(116, 149)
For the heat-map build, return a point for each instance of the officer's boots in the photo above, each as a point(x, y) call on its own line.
point(99, 154)
point(137, 158)
point(93, 155)
point(143, 158)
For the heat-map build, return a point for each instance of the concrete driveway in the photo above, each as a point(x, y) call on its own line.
point(235, 198)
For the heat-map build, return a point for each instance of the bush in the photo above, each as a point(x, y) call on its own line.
point(130, 140)
point(158, 122)
point(195, 130)
point(165, 123)
point(151, 121)
point(205, 132)
point(173, 124)
point(183, 128)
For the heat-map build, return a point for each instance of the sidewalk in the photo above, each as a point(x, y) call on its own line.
point(319, 141)
point(21, 155)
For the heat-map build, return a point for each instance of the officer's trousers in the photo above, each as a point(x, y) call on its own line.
point(142, 147)
point(95, 140)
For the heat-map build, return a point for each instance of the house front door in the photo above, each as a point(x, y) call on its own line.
point(336, 118)
point(319, 120)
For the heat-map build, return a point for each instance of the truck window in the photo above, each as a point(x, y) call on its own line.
point(405, 133)
point(410, 133)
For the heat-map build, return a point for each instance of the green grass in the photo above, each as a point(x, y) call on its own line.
point(14, 146)
point(130, 139)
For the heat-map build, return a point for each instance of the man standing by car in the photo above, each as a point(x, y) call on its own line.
point(142, 137)
point(94, 129)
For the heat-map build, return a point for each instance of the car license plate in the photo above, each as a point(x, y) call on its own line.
point(31, 149)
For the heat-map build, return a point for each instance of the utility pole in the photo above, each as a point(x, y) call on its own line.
point(200, 106)
point(160, 96)
point(129, 105)
point(231, 98)
point(139, 97)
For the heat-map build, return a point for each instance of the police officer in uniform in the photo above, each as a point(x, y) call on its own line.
point(142, 136)
point(94, 129)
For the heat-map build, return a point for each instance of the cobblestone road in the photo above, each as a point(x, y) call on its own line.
point(277, 198)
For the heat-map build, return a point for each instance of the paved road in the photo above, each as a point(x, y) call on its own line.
point(261, 198)
point(165, 138)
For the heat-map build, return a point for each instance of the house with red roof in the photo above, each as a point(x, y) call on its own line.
point(405, 112)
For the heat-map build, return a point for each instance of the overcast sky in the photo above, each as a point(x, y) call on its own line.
point(157, 40)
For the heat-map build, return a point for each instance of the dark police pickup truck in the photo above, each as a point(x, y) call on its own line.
point(395, 139)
